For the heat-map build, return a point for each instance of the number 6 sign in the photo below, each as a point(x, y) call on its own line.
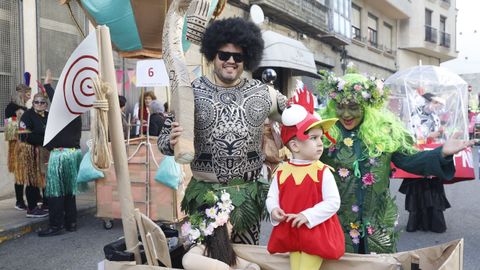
point(151, 73)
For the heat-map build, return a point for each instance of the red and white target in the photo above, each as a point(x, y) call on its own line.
point(77, 87)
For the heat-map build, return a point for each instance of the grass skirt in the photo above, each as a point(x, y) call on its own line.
point(12, 158)
point(11, 129)
point(30, 167)
point(62, 172)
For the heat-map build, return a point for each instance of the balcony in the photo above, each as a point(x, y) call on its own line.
point(396, 9)
point(308, 15)
point(430, 34)
point(445, 3)
point(444, 39)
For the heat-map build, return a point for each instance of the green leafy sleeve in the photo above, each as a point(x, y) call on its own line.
point(426, 163)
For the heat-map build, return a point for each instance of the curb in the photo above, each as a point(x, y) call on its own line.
point(34, 224)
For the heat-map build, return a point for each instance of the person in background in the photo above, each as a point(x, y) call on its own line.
point(126, 129)
point(165, 105)
point(157, 118)
point(303, 197)
point(148, 97)
point(33, 155)
point(13, 113)
point(425, 120)
point(425, 198)
point(63, 165)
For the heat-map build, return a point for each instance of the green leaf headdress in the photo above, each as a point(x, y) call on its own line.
point(353, 87)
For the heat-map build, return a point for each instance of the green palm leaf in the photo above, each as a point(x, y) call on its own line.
point(382, 242)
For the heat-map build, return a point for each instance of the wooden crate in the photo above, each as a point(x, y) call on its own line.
point(164, 202)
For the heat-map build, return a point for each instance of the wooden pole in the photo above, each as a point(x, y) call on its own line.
point(107, 74)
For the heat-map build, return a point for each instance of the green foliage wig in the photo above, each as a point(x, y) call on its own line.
point(380, 130)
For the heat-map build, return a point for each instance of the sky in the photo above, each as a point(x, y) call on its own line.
point(468, 39)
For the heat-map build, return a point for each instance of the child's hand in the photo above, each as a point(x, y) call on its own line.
point(278, 215)
point(297, 220)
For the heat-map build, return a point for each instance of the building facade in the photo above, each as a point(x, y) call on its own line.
point(301, 37)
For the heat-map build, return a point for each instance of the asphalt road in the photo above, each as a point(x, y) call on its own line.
point(82, 250)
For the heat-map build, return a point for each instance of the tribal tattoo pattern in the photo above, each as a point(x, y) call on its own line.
point(228, 129)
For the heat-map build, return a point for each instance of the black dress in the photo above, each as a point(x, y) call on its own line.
point(425, 200)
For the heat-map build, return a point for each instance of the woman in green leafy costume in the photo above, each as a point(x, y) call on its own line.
point(369, 137)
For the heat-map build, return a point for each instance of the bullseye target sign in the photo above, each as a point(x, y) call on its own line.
point(78, 92)
point(74, 93)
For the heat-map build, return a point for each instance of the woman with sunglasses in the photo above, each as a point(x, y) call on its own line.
point(33, 155)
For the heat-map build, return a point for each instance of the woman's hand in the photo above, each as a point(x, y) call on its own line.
point(453, 146)
point(175, 134)
point(48, 77)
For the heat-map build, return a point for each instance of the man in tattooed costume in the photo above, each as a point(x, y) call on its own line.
point(230, 112)
point(369, 137)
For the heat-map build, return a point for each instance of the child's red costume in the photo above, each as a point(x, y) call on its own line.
point(299, 189)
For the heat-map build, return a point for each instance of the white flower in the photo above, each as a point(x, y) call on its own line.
point(366, 95)
point(186, 228)
point(225, 196)
point(211, 212)
point(341, 84)
point(226, 206)
point(209, 230)
point(222, 218)
point(194, 234)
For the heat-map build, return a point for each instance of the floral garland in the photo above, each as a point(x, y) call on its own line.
point(202, 224)
point(353, 87)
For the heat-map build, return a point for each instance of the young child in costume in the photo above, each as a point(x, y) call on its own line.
point(303, 198)
point(207, 230)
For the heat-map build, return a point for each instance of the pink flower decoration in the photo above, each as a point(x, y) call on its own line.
point(370, 230)
point(331, 149)
point(343, 172)
point(356, 241)
point(357, 87)
point(355, 208)
point(368, 179)
point(354, 233)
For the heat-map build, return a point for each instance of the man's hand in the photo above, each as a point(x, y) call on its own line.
point(175, 134)
point(297, 220)
point(278, 215)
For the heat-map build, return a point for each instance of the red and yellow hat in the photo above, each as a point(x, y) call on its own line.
point(297, 121)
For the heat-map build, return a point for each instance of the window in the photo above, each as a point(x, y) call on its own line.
point(372, 30)
point(339, 15)
point(444, 36)
point(443, 21)
point(388, 37)
point(57, 38)
point(10, 48)
point(356, 26)
point(430, 32)
point(428, 17)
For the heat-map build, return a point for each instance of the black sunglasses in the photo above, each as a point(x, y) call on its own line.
point(224, 56)
point(40, 102)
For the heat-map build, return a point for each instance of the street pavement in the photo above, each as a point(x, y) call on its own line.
point(83, 249)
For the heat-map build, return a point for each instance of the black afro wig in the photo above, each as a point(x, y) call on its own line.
point(238, 32)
